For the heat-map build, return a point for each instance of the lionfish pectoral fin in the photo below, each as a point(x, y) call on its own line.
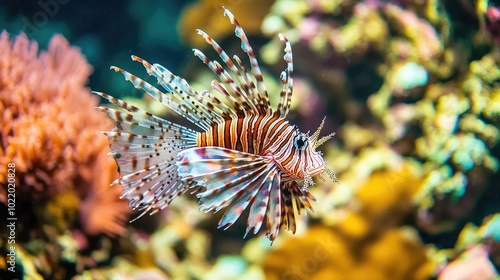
point(233, 180)
point(274, 217)
point(288, 210)
point(259, 208)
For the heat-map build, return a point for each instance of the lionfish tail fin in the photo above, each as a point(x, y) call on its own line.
point(144, 147)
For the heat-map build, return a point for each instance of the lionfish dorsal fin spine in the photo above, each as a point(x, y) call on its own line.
point(181, 93)
point(286, 79)
point(213, 103)
point(252, 89)
point(241, 90)
point(170, 100)
point(232, 97)
point(254, 64)
point(141, 117)
point(135, 123)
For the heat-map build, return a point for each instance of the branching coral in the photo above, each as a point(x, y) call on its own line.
point(51, 131)
point(458, 124)
point(45, 131)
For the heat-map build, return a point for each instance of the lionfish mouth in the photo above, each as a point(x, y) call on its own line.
point(318, 171)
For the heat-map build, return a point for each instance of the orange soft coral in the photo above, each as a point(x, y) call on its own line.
point(101, 210)
point(50, 129)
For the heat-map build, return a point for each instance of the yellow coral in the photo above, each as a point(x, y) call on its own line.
point(207, 14)
point(323, 253)
point(60, 210)
point(367, 244)
point(366, 28)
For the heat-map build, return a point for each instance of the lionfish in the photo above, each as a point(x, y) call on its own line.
point(244, 154)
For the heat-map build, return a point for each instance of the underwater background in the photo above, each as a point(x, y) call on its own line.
point(411, 88)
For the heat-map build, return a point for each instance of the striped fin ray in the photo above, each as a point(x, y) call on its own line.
point(286, 79)
point(294, 200)
point(217, 197)
point(235, 97)
point(137, 118)
point(274, 217)
point(234, 180)
point(245, 94)
point(145, 147)
point(301, 196)
point(205, 101)
point(258, 209)
point(249, 87)
point(147, 168)
point(199, 108)
point(288, 210)
point(285, 202)
point(247, 48)
point(246, 197)
point(194, 116)
point(136, 124)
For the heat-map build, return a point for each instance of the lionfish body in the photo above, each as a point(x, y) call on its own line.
point(245, 154)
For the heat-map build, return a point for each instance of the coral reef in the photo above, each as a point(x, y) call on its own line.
point(44, 143)
point(50, 128)
point(51, 133)
point(457, 118)
point(475, 255)
point(410, 87)
point(407, 90)
point(368, 243)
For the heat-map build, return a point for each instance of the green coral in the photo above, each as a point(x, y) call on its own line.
point(458, 121)
point(458, 130)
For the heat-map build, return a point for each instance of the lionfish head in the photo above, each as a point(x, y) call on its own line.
point(308, 162)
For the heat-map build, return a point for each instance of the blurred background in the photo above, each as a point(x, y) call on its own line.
point(411, 88)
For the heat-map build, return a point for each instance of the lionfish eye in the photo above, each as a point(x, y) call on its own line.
point(300, 141)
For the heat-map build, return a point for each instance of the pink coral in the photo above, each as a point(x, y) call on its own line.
point(472, 264)
point(492, 18)
point(50, 129)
